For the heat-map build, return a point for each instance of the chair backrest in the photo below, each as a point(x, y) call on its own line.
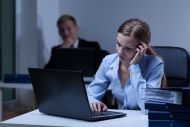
point(176, 64)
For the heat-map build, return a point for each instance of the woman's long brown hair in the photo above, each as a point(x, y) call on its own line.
point(140, 30)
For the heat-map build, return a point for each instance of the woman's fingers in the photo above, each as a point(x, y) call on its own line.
point(94, 105)
point(141, 48)
point(104, 108)
point(144, 45)
point(98, 107)
point(91, 107)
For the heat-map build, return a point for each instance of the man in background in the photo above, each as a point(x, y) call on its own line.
point(68, 30)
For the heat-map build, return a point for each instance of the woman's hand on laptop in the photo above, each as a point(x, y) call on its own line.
point(98, 106)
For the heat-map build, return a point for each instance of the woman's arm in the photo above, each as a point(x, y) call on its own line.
point(138, 82)
point(99, 85)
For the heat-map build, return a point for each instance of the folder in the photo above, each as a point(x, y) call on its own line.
point(173, 95)
point(163, 115)
point(168, 123)
point(156, 106)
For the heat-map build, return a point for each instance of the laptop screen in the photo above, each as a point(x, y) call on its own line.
point(80, 59)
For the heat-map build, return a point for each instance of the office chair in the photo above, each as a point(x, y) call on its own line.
point(176, 65)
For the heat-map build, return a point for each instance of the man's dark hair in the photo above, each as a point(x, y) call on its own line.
point(64, 18)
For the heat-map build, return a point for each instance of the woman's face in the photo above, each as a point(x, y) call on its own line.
point(126, 47)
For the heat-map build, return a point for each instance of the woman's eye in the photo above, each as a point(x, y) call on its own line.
point(118, 44)
point(127, 48)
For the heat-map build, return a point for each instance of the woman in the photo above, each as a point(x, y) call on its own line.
point(135, 66)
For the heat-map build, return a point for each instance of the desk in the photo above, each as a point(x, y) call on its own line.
point(35, 118)
point(25, 86)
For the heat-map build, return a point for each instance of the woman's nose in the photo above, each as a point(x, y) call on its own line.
point(120, 50)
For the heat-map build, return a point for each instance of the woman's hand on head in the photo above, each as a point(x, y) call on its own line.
point(140, 51)
point(98, 106)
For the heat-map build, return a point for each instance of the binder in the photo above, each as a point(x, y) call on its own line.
point(162, 115)
point(178, 108)
point(168, 123)
point(156, 106)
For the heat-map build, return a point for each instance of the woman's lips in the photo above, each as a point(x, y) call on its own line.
point(122, 57)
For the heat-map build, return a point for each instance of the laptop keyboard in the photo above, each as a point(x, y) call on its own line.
point(106, 113)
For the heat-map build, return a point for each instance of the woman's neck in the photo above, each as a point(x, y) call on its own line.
point(125, 64)
point(123, 74)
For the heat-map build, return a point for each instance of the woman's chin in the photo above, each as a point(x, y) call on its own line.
point(124, 60)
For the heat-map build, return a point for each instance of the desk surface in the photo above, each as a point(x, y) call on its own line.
point(133, 119)
point(16, 85)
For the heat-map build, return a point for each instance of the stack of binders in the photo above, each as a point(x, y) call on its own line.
point(168, 115)
point(163, 114)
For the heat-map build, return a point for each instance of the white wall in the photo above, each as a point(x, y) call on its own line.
point(47, 12)
point(169, 21)
point(99, 20)
point(26, 41)
point(36, 32)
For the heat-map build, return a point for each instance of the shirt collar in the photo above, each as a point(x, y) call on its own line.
point(76, 44)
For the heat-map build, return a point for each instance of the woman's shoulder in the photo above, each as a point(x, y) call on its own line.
point(154, 60)
point(110, 59)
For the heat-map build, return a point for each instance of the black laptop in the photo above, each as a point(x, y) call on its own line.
point(63, 93)
point(80, 59)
